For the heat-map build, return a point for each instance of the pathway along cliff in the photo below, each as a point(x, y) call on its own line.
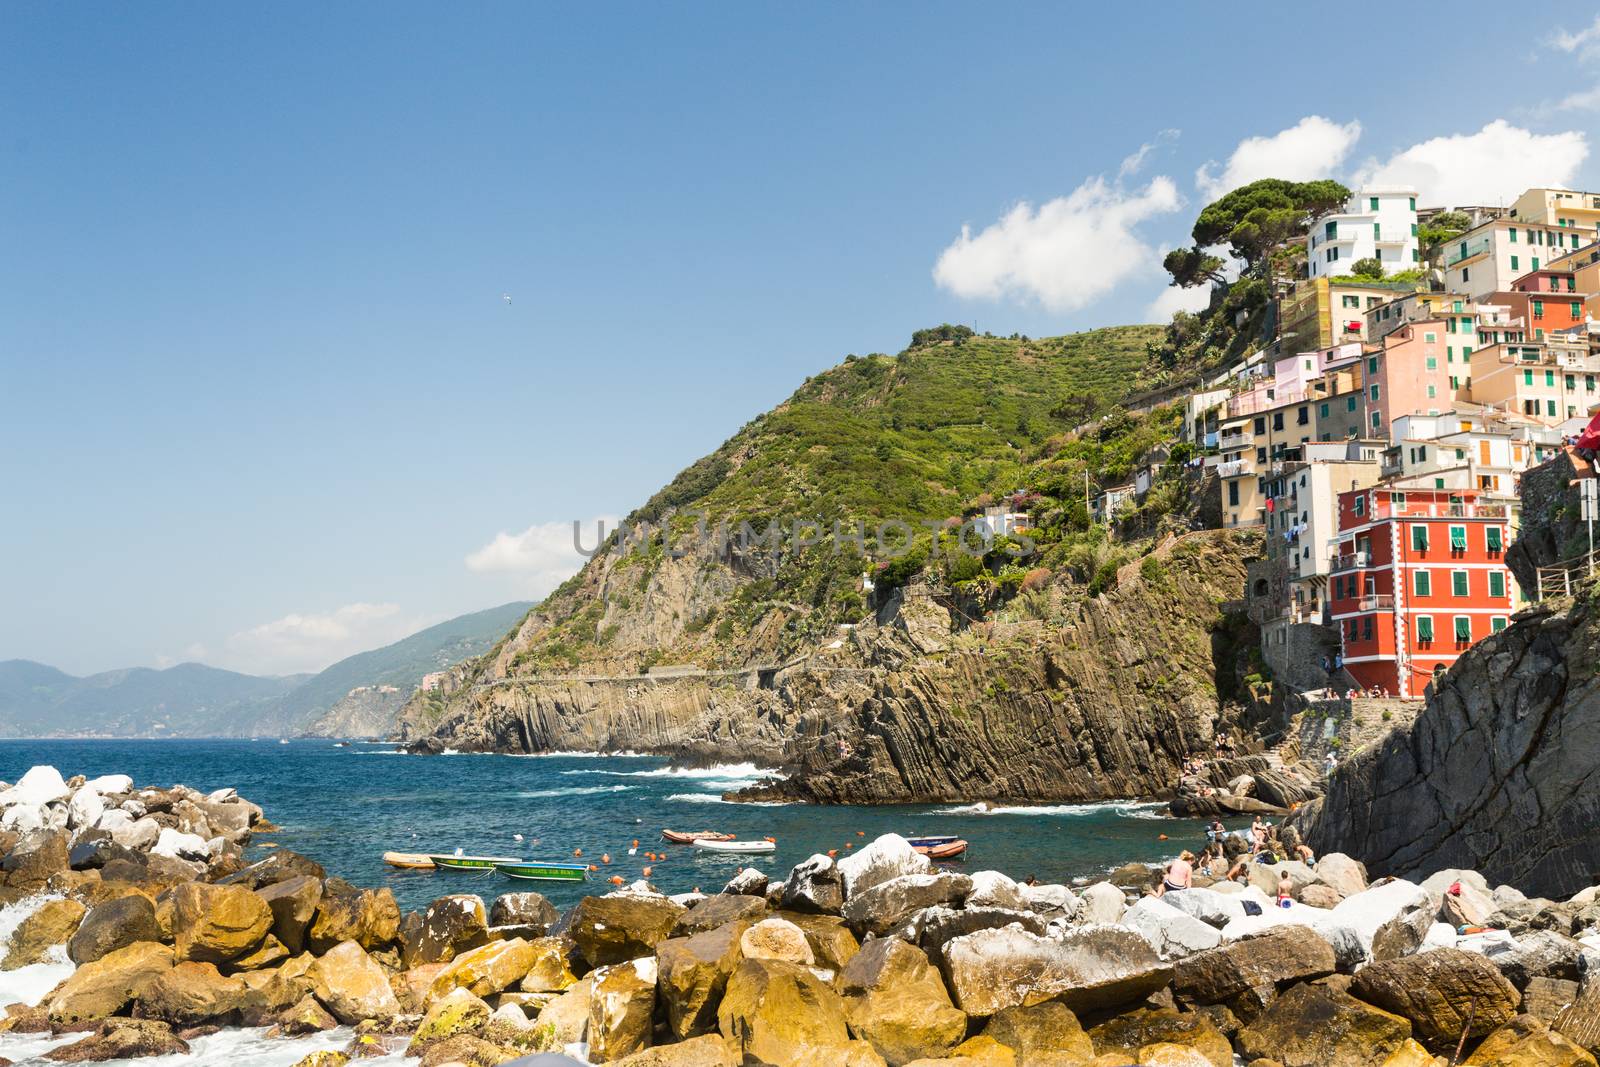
point(917, 704)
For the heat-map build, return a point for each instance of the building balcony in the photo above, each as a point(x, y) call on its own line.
point(1351, 561)
point(1235, 439)
point(1399, 240)
point(1375, 603)
point(1460, 253)
point(1236, 468)
point(1383, 509)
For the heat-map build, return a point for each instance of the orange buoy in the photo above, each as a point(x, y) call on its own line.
point(647, 872)
point(774, 840)
point(1161, 837)
point(849, 844)
point(636, 842)
point(861, 833)
point(577, 852)
point(592, 867)
point(833, 852)
point(616, 879)
point(605, 857)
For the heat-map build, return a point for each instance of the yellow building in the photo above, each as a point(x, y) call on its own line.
point(1323, 312)
point(1558, 207)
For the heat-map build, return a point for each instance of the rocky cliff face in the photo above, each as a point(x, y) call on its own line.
point(1498, 772)
point(918, 704)
point(365, 711)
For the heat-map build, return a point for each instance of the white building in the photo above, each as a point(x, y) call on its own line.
point(1491, 257)
point(1303, 521)
point(1376, 224)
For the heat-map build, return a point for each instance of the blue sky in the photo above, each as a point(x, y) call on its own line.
point(265, 404)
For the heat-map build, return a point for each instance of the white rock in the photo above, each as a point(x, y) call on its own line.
point(1103, 903)
point(1510, 894)
point(135, 808)
point(23, 818)
point(112, 820)
point(1439, 935)
point(109, 783)
point(1049, 900)
point(512, 1015)
point(141, 835)
point(991, 889)
point(687, 900)
point(1437, 882)
point(1211, 908)
point(55, 816)
point(85, 808)
point(776, 939)
point(38, 787)
point(1369, 909)
point(1173, 933)
point(1231, 889)
point(220, 795)
point(180, 846)
point(890, 856)
point(1340, 872)
point(1584, 897)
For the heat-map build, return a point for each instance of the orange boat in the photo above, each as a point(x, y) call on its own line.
point(689, 837)
point(946, 850)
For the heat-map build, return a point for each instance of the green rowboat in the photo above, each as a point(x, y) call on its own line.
point(544, 872)
point(470, 863)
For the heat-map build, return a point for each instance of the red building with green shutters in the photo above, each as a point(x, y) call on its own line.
point(1419, 575)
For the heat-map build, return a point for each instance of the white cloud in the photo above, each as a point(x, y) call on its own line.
point(1584, 42)
point(1583, 100)
point(540, 557)
point(1492, 166)
point(309, 642)
point(1173, 299)
point(1066, 254)
point(1312, 148)
point(1132, 164)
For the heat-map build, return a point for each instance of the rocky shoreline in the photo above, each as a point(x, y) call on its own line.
point(876, 958)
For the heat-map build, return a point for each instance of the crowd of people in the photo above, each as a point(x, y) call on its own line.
point(1228, 854)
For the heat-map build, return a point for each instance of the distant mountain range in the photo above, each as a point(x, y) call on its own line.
point(193, 700)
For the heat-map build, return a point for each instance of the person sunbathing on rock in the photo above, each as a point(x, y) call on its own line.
point(1179, 876)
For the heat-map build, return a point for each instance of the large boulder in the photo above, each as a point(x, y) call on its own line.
point(352, 986)
point(489, 969)
point(1537, 954)
point(566, 1018)
point(1174, 933)
point(898, 1003)
point(830, 939)
point(1528, 1042)
point(774, 1012)
point(112, 925)
point(102, 988)
point(933, 928)
point(884, 906)
point(1372, 909)
point(37, 856)
point(217, 923)
point(620, 1007)
point(191, 993)
point(280, 866)
point(1437, 990)
point(551, 970)
point(814, 885)
point(370, 918)
point(41, 785)
point(776, 939)
point(691, 976)
point(1207, 905)
point(1087, 968)
point(52, 924)
point(1104, 903)
point(293, 903)
point(889, 856)
point(1126, 1034)
point(450, 925)
point(708, 1050)
point(1047, 1032)
point(1245, 975)
point(750, 881)
point(991, 889)
point(121, 1039)
point(84, 809)
point(720, 910)
point(140, 834)
point(1052, 901)
point(1321, 1026)
point(619, 927)
point(527, 910)
point(458, 1012)
point(177, 845)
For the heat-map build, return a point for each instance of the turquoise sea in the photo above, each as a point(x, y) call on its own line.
point(344, 806)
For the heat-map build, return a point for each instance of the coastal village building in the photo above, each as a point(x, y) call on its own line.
point(1546, 300)
point(1376, 224)
point(1302, 518)
point(1558, 207)
point(1552, 382)
point(1320, 313)
point(1491, 257)
point(1419, 576)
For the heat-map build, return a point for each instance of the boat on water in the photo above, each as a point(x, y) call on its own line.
point(741, 847)
point(929, 840)
point(947, 850)
point(409, 861)
point(472, 863)
point(545, 872)
point(689, 837)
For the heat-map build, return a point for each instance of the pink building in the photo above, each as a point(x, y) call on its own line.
point(1407, 375)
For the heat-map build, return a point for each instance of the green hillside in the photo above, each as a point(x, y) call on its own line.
point(186, 700)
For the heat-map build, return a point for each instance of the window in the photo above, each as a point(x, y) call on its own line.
point(1458, 583)
point(1458, 538)
point(1331, 230)
point(1372, 203)
point(1353, 630)
point(1430, 337)
point(1233, 494)
point(1550, 408)
point(1277, 420)
point(1535, 262)
point(1575, 309)
point(1419, 538)
point(1497, 623)
point(1538, 309)
point(1366, 628)
point(1571, 382)
point(1377, 420)
point(1349, 403)
point(1360, 505)
point(1431, 391)
point(1550, 378)
point(1372, 365)
point(1421, 583)
point(1513, 241)
point(1527, 377)
point(1322, 410)
point(1351, 301)
point(1513, 262)
point(1413, 203)
point(1424, 629)
point(1497, 583)
point(1433, 362)
point(1374, 392)
point(1302, 416)
point(1261, 426)
point(1463, 630)
point(1377, 231)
